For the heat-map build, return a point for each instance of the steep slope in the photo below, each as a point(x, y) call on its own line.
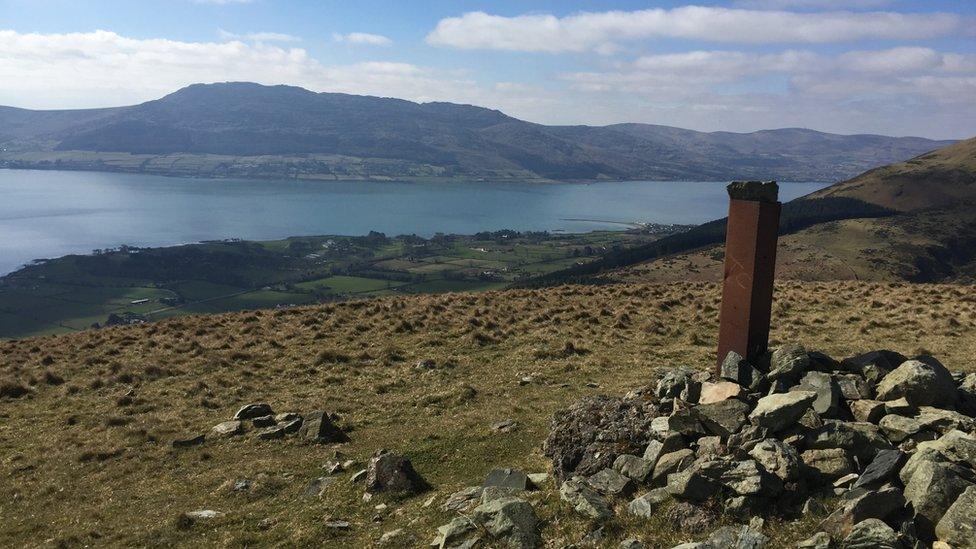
point(285, 130)
point(940, 178)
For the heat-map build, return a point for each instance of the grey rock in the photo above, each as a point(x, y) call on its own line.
point(901, 407)
point(509, 520)
point(189, 442)
point(508, 478)
point(454, 533)
point(462, 499)
point(956, 446)
point(336, 524)
point(854, 387)
point(737, 370)
point(538, 479)
point(491, 493)
point(504, 426)
point(584, 499)
point(746, 477)
point(251, 411)
point(388, 472)
point(358, 476)
point(723, 418)
point(898, 428)
point(227, 429)
point(741, 443)
point(957, 527)
point(672, 463)
point(827, 403)
point(646, 505)
point(203, 514)
point(874, 365)
point(271, 433)
point(861, 440)
point(826, 465)
point(672, 383)
point(633, 467)
point(631, 543)
point(871, 534)
point(691, 485)
point(710, 447)
point(776, 412)
point(684, 421)
point(869, 411)
point(820, 540)
point(393, 537)
point(943, 421)
point(860, 506)
point(922, 454)
point(670, 442)
point(736, 537)
point(932, 489)
point(264, 421)
point(316, 487)
point(777, 458)
point(923, 382)
point(286, 417)
point(884, 467)
point(788, 362)
point(611, 483)
point(319, 428)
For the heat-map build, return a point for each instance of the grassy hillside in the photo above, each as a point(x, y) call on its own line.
point(86, 456)
point(937, 179)
point(249, 130)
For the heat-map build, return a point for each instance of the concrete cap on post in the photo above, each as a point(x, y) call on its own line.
point(750, 263)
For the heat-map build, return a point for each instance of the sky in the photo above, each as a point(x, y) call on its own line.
point(894, 67)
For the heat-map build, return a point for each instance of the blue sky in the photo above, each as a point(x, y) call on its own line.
point(898, 67)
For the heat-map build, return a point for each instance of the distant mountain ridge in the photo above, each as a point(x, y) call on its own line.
point(205, 129)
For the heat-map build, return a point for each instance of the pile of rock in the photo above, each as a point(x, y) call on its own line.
point(893, 438)
point(315, 427)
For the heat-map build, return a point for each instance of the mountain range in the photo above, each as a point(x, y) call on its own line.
point(251, 130)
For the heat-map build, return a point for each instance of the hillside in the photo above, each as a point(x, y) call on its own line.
point(937, 179)
point(89, 418)
point(249, 130)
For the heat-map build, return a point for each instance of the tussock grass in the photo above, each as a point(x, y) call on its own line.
point(87, 419)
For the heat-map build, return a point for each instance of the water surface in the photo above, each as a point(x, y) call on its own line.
point(46, 214)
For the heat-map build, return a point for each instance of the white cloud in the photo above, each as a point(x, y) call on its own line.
point(258, 36)
point(601, 31)
point(812, 4)
point(362, 38)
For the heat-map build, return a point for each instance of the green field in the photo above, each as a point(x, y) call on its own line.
point(140, 285)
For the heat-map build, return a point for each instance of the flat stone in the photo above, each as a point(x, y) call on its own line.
point(871, 534)
point(264, 421)
point(203, 514)
point(943, 421)
point(956, 446)
point(778, 411)
point(884, 467)
point(869, 411)
point(898, 428)
point(251, 411)
point(672, 463)
point(745, 477)
point(633, 467)
point(922, 383)
point(508, 478)
point(737, 370)
point(227, 429)
point(683, 421)
point(189, 442)
point(820, 540)
point(736, 537)
point(900, 406)
point(719, 391)
point(631, 543)
point(271, 433)
point(778, 458)
point(316, 487)
point(723, 418)
point(505, 426)
point(319, 428)
point(957, 527)
point(862, 440)
point(611, 483)
point(454, 534)
point(646, 505)
point(462, 499)
point(584, 499)
point(873, 365)
point(336, 524)
point(854, 387)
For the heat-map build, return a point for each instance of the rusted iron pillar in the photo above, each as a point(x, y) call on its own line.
point(750, 264)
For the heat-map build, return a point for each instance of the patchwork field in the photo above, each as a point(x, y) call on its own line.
point(88, 419)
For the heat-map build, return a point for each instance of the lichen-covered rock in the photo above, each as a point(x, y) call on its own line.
point(778, 411)
point(584, 499)
point(227, 429)
point(778, 458)
point(923, 382)
point(253, 411)
point(788, 362)
point(957, 527)
point(862, 505)
point(898, 428)
point(611, 483)
point(319, 428)
point(868, 411)
point(646, 505)
point(633, 467)
point(874, 365)
point(590, 435)
point(871, 534)
point(675, 462)
point(827, 403)
point(511, 521)
point(932, 489)
point(826, 465)
point(723, 418)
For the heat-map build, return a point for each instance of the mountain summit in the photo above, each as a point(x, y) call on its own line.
point(287, 131)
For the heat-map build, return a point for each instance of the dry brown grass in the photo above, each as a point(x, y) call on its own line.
point(85, 455)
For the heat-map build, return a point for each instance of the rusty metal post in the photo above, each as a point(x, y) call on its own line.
point(750, 264)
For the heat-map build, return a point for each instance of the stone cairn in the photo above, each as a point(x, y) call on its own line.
point(888, 442)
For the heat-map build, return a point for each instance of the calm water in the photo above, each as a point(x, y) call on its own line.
point(45, 214)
